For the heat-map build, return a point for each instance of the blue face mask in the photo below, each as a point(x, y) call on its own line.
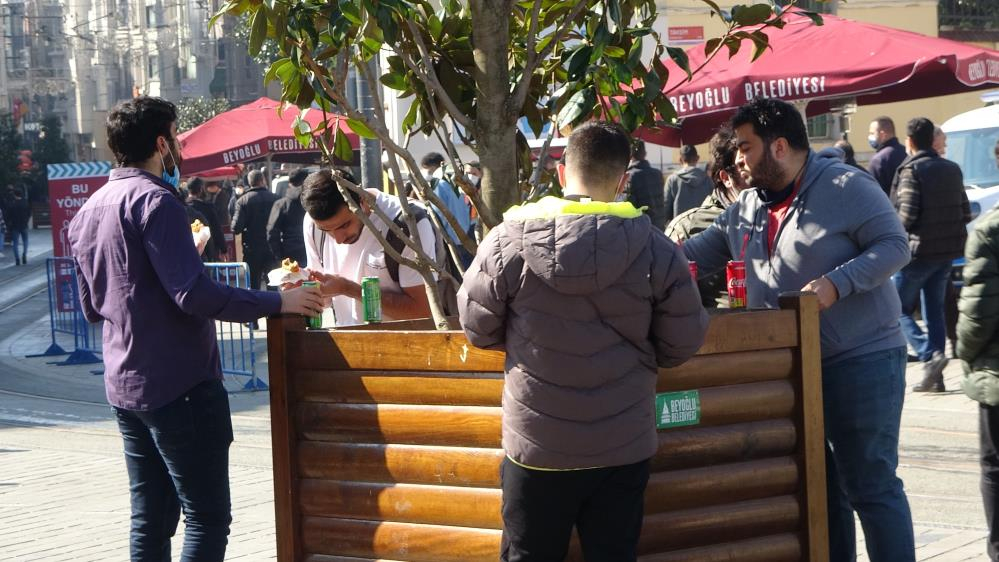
point(873, 141)
point(171, 178)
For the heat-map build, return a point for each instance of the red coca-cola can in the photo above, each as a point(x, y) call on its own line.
point(693, 270)
point(735, 274)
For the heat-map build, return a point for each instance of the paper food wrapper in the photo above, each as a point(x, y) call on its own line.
point(201, 233)
point(289, 272)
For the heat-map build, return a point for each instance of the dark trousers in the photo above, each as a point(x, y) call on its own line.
point(258, 265)
point(541, 507)
point(178, 459)
point(988, 425)
point(862, 399)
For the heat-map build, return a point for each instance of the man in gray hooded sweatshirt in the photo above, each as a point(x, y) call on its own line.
point(818, 224)
point(587, 298)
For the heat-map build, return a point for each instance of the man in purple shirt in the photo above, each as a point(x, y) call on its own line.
point(139, 271)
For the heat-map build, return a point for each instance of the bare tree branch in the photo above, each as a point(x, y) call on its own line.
point(430, 77)
point(423, 190)
point(542, 160)
point(520, 92)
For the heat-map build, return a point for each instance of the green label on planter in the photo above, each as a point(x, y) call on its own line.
point(677, 409)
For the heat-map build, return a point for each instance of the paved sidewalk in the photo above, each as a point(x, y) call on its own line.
point(63, 486)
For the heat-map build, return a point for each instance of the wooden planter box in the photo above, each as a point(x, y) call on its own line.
point(386, 445)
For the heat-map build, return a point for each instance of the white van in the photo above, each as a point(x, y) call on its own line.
point(971, 142)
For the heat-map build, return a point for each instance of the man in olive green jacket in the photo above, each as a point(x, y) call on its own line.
point(978, 350)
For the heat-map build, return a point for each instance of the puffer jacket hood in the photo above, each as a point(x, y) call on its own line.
point(591, 246)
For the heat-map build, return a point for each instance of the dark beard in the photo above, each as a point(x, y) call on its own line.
point(768, 174)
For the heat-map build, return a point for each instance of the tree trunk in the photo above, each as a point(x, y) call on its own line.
point(495, 132)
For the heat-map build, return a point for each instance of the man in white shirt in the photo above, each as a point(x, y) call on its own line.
point(341, 252)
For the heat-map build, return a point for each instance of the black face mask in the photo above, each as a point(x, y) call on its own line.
point(772, 198)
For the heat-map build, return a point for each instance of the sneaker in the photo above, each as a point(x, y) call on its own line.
point(932, 374)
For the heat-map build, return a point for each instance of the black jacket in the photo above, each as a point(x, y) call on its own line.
point(933, 206)
point(884, 164)
point(216, 244)
point(284, 229)
point(645, 189)
point(17, 214)
point(252, 211)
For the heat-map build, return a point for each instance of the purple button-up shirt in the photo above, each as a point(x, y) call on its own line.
point(139, 271)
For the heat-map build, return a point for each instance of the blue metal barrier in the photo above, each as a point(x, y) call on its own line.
point(66, 317)
point(236, 341)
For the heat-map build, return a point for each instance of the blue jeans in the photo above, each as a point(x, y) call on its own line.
point(929, 277)
point(23, 235)
point(862, 399)
point(178, 459)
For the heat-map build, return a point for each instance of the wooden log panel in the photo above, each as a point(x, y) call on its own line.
point(674, 530)
point(454, 426)
point(449, 351)
point(724, 405)
point(732, 331)
point(475, 426)
point(702, 446)
point(413, 464)
point(486, 389)
point(328, 558)
point(785, 547)
point(389, 351)
point(728, 368)
point(374, 387)
point(403, 503)
point(399, 541)
point(721, 484)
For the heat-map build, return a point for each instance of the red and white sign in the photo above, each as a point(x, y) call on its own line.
point(70, 185)
point(685, 35)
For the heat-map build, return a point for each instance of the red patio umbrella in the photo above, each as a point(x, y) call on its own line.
point(820, 64)
point(224, 172)
point(249, 132)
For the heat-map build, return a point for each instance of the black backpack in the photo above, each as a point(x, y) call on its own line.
point(446, 289)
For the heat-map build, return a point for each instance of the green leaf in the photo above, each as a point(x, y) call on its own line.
point(258, 31)
point(751, 15)
point(760, 43)
point(302, 131)
point(679, 56)
point(361, 128)
point(614, 52)
point(816, 18)
point(579, 61)
point(395, 80)
point(653, 86)
point(410, 119)
point(665, 110)
point(579, 106)
point(272, 72)
point(714, 6)
point(350, 11)
point(635, 55)
point(341, 146)
point(614, 11)
point(711, 45)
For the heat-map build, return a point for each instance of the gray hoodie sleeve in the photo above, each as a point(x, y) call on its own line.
point(482, 299)
point(878, 233)
point(679, 320)
point(710, 248)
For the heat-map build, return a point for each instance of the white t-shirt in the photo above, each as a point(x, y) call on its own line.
point(366, 258)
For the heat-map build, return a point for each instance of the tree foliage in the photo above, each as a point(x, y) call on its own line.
point(474, 68)
point(192, 112)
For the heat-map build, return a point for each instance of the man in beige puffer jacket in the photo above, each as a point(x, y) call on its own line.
point(587, 299)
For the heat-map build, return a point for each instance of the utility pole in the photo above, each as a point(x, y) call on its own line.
point(371, 149)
